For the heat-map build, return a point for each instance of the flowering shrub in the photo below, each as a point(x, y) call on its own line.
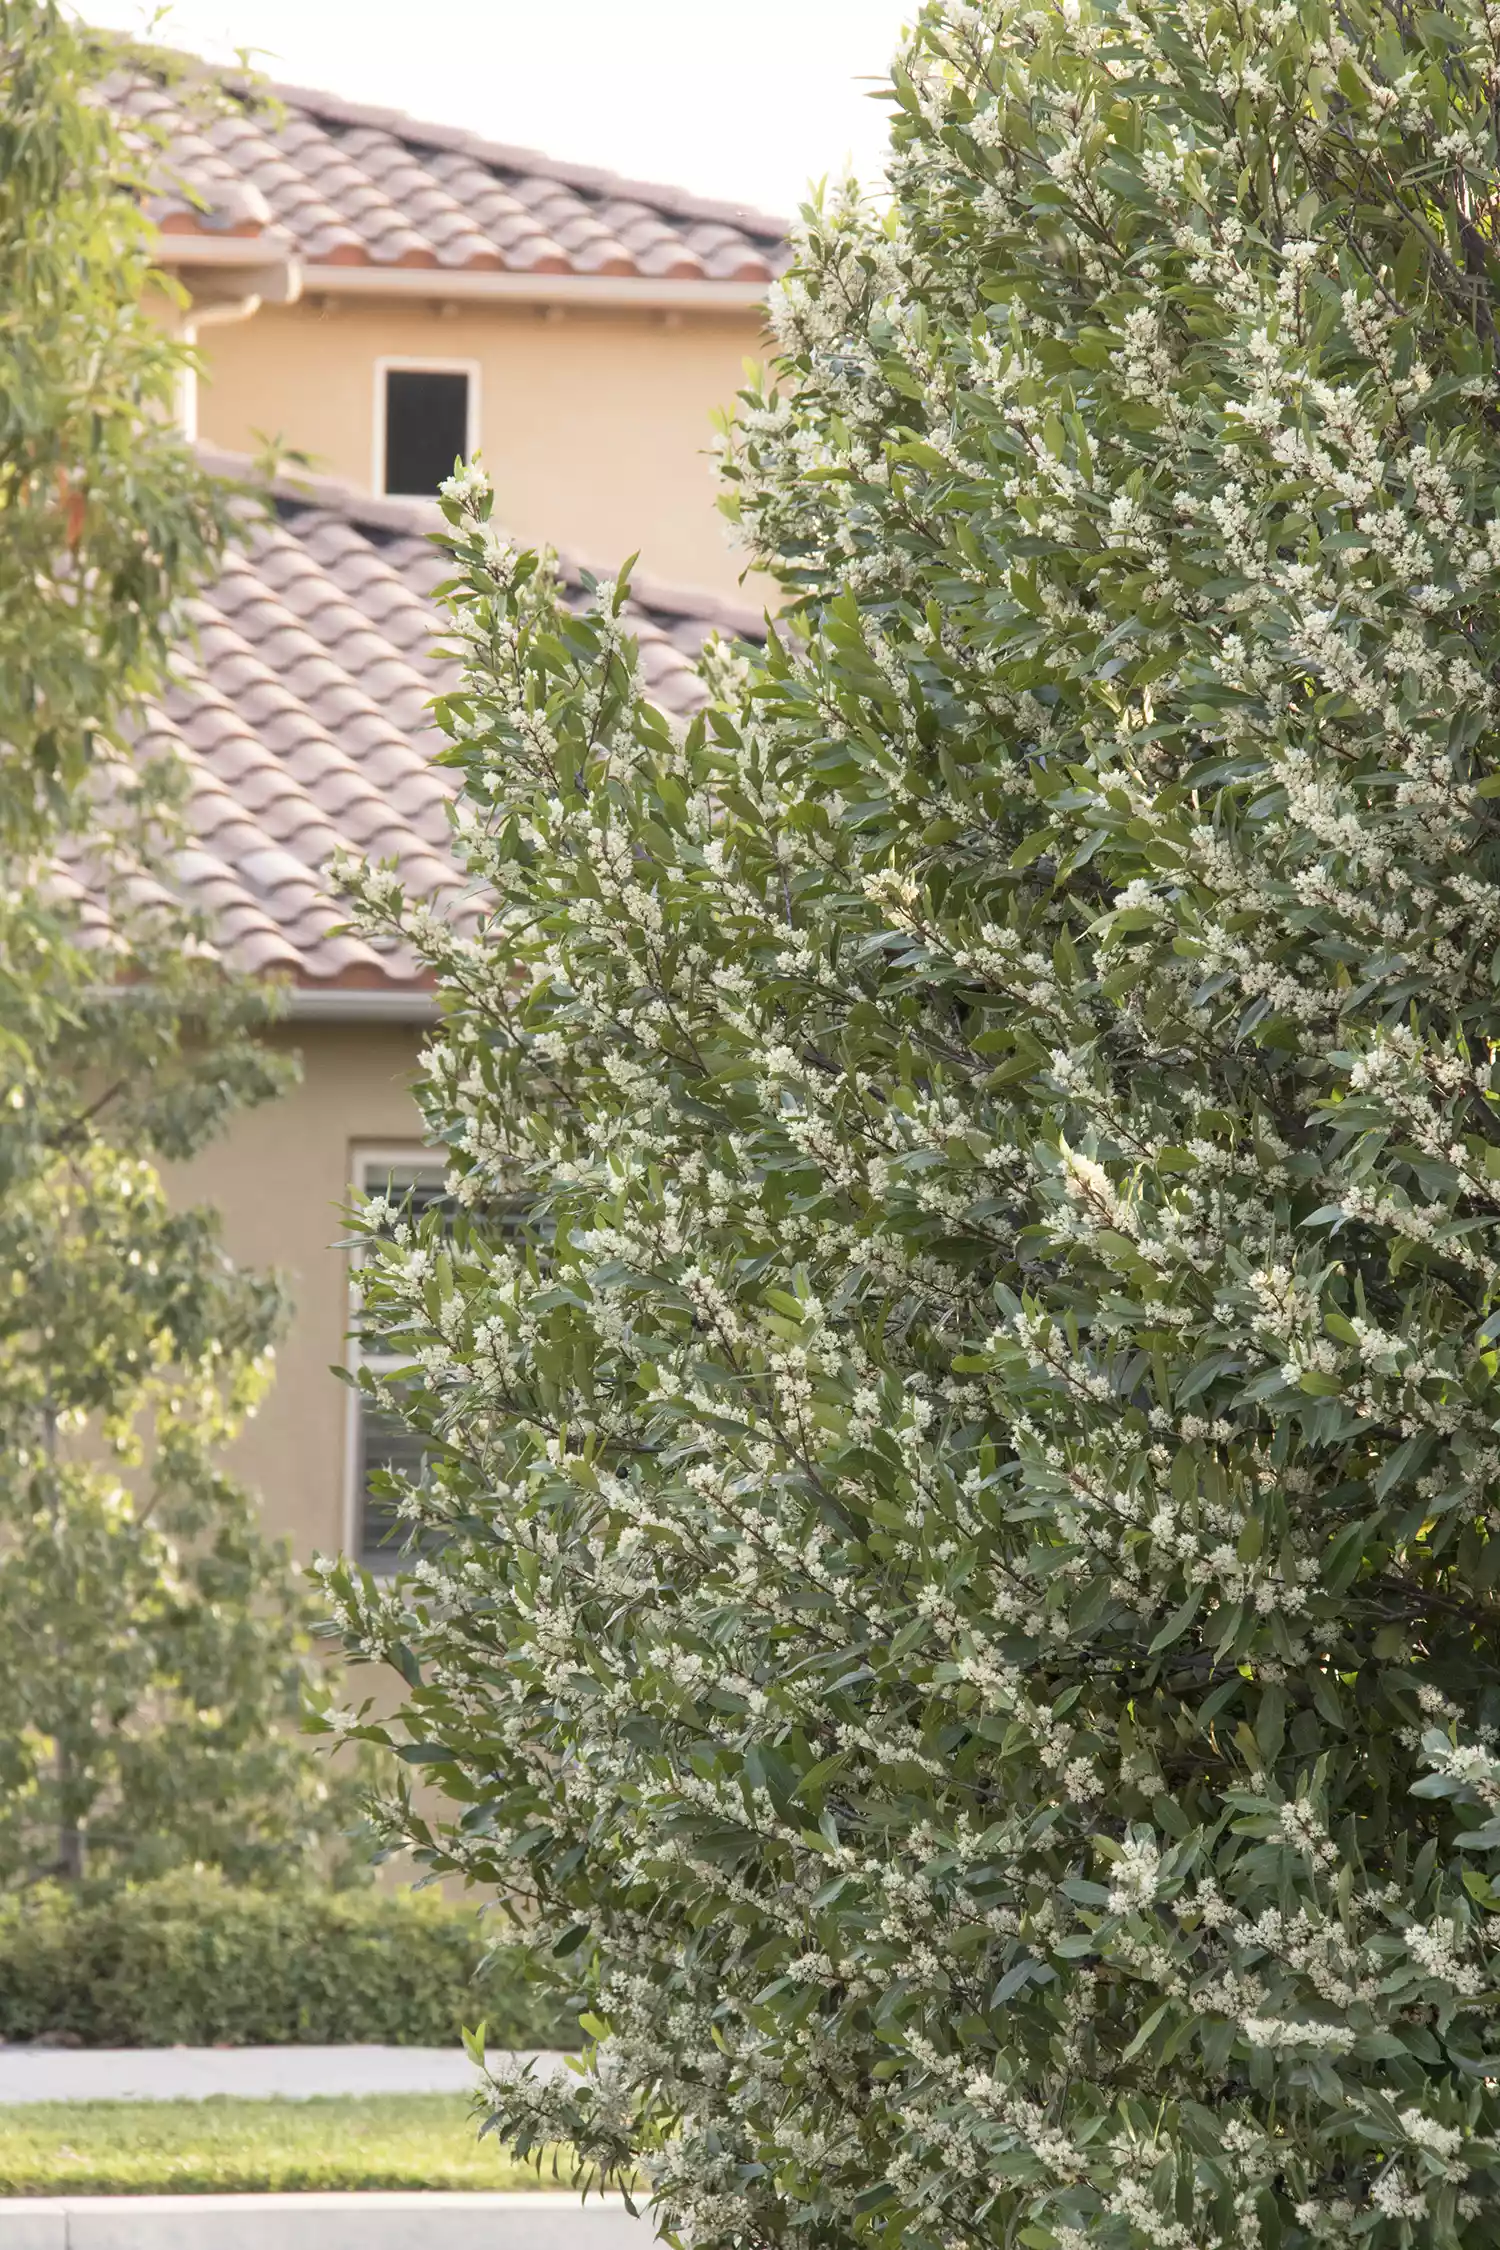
point(969, 1610)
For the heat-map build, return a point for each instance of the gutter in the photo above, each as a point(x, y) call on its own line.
point(466, 285)
point(230, 276)
point(331, 1003)
point(192, 246)
point(267, 254)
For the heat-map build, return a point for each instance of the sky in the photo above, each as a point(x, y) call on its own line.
point(745, 99)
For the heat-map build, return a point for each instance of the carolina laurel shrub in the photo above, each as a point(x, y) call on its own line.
point(191, 1960)
point(971, 1596)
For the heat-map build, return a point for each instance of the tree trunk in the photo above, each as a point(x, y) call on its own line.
point(70, 1841)
point(70, 1838)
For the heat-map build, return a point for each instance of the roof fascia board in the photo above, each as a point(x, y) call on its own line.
point(231, 268)
point(445, 285)
point(302, 1003)
point(329, 1003)
point(180, 247)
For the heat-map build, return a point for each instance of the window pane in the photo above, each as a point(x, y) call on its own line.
point(415, 1188)
point(384, 1443)
point(426, 428)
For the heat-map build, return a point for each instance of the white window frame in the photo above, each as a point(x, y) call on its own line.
point(401, 364)
point(369, 1165)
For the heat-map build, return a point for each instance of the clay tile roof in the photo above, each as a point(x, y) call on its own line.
point(346, 184)
point(300, 711)
point(199, 189)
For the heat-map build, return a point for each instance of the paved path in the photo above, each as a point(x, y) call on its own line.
point(321, 2222)
point(166, 2074)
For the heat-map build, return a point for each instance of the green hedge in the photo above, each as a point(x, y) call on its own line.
point(191, 1960)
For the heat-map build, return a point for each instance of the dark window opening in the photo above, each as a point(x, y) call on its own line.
point(426, 428)
point(386, 1446)
point(415, 1190)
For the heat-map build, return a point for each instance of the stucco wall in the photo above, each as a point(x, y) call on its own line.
point(279, 1178)
point(595, 424)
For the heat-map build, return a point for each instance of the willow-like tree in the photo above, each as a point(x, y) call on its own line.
point(969, 1614)
point(155, 1643)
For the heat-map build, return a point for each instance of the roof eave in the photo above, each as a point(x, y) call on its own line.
point(213, 266)
point(257, 256)
point(333, 1003)
point(460, 285)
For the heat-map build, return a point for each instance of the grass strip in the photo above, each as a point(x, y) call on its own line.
point(226, 2146)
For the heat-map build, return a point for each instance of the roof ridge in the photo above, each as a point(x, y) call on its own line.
point(588, 179)
point(417, 518)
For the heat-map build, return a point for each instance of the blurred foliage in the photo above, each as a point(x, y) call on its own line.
point(157, 1645)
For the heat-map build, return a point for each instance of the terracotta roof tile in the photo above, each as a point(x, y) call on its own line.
point(300, 711)
point(199, 185)
point(345, 184)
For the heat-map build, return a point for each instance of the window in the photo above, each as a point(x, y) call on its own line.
point(426, 419)
point(379, 1443)
point(383, 1446)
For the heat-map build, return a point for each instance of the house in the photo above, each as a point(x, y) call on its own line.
point(384, 295)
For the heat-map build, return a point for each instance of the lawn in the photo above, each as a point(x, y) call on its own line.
point(223, 2145)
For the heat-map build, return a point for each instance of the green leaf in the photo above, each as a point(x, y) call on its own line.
point(1178, 1623)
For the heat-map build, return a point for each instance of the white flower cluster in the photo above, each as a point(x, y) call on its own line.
point(963, 1397)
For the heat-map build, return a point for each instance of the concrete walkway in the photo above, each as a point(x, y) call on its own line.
point(170, 2074)
point(321, 2222)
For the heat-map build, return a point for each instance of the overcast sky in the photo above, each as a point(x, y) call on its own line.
point(733, 99)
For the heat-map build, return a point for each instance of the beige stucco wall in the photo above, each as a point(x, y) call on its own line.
point(595, 424)
point(279, 1177)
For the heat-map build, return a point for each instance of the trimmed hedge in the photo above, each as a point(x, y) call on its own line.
point(191, 1960)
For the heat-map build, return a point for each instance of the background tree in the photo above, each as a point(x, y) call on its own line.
point(969, 1615)
point(108, 519)
point(156, 1644)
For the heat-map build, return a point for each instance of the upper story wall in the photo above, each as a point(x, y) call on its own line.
point(595, 422)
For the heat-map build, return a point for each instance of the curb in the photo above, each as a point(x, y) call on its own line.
point(164, 2074)
point(538, 2221)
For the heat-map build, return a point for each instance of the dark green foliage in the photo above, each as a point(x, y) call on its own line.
point(971, 1602)
point(192, 1961)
